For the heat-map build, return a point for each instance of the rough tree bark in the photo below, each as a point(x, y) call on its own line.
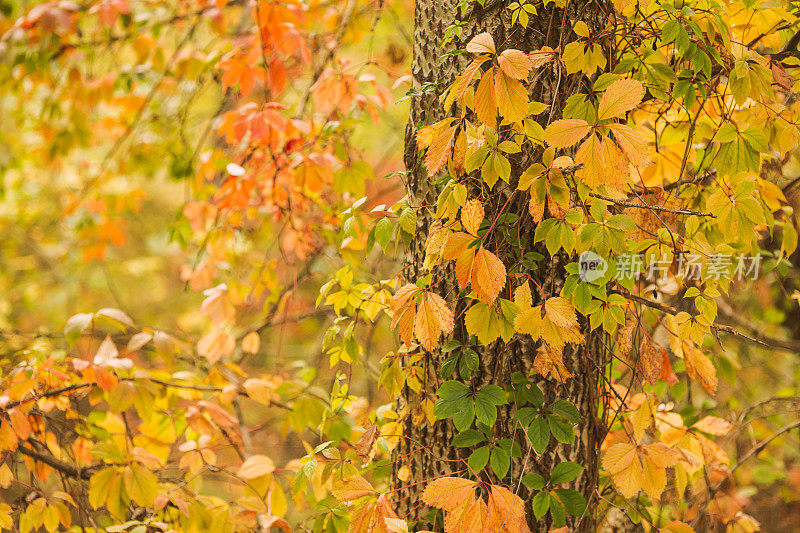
point(426, 450)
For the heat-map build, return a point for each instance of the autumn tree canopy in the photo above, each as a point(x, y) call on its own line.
point(399, 266)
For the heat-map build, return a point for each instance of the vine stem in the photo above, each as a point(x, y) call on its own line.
point(510, 196)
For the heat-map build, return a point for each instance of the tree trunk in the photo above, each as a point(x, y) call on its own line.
point(426, 450)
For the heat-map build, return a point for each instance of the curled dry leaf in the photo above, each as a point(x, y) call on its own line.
point(365, 447)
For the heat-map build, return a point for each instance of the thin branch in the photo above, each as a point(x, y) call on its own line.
point(756, 338)
point(760, 447)
point(644, 205)
point(62, 466)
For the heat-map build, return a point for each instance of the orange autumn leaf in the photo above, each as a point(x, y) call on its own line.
point(433, 318)
point(566, 132)
point(632, 144)
point(699, 367)
point(506, 512)
point(550, 362)
point(603, 163)
point(447, 493)
point(481, 44)
point(472, 216)
point(469, 516)
point(439, 151)
point(402, 309)
point(238, 72)
point(514, 63)
point(351, 488)
point(485, 103)
point(488, 275)
point(713, 425)
point(469, 73)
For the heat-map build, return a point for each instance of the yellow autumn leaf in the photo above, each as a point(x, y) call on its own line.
point(472, 216)
point(566, 132)
point(655, 460)
point(677, 527)
point(699, 367)
point(522, 296)
point(622, 5)
point(529, 322)
point(560, 312)
point(256, 466)
point(514, 63)
point(619, 98)
point(251, 342)
point(481, 44)
point(632, 144)
point(447, 493)
point(512, 98)
point(622, 462)
point(635, 468)
point(259, 390)
point(550, 362)
point(433, 317)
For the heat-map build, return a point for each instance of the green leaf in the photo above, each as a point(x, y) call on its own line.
point(468, 438)
point(541, 503)
point(561, 429)
point(501, 462)
point(486, 402)
point(565, 472)
point(533, 394)
point(567, 410)
point(464, 415)
point(141, 484)
point(557, 512)
point(383, 233)
point(478, 459)
point(455, 402)
point(468, 363)
point(573, 501)
point(533, 481)
point(539, 433)
point(408, 220)
point(103, 485)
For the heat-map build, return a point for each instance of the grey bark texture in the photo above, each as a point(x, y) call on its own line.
point(425, 449)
